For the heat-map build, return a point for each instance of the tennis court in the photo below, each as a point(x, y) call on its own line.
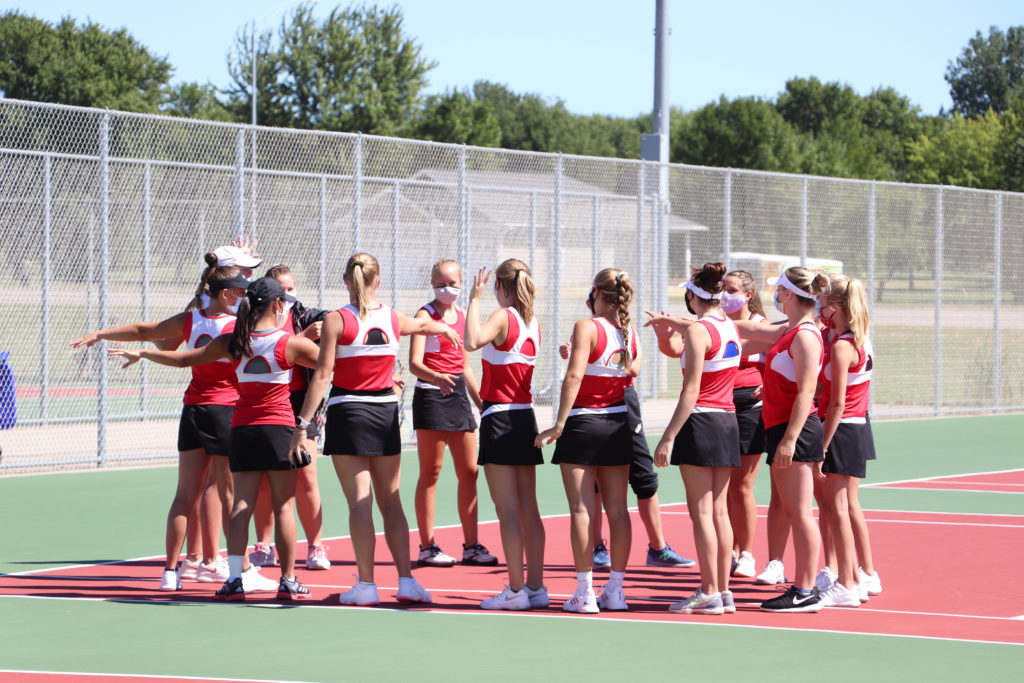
point(81, 561)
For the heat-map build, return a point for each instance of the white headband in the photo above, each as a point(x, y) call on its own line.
point(700, 292)
point(783, 281)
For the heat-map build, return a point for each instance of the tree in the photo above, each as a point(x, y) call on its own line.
point(82, 65)
point(989, 73)
point(196, 101)
point(354, 71)
point(966, 152)
point(457, 117)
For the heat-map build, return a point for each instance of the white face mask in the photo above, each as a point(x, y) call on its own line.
point(732, 302)
point(233, 308)
point(281, 317)
point(446, 295)
point(775, 300)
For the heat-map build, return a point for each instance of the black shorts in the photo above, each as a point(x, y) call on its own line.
point(451, 413)
point(298, 398)
point(602, 439)
point(642, 477)
point(207, 427)
point(362, 428)
point(851, 447)
point(748, 417)
point(708, 440)
point(809, 443)
point(257, 448)
point(507, 436)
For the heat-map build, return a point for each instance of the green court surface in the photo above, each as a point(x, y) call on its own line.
point(85, 518)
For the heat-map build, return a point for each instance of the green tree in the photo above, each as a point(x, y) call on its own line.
point(989, 73)
point(356, 70)
point(965, 152)
point(83, 65)
point(197, 101)
point(457, 117)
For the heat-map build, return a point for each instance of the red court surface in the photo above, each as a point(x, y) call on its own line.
point(947, 593)
point(1010, 481)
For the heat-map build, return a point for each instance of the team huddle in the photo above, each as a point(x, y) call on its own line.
point(262, 362)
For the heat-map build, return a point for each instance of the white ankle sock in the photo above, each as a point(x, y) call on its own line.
point(585, 579)
point(615, 578)
point(234, 566)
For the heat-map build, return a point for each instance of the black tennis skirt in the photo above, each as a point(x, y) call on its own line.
point(708, 440)
point(748, 418)
point(850, 449)
point(809, 443)
point(451, 413)
point(259, 448)
point(362, 428)
point(602, 439)
point(507, 436)
point(207, 427)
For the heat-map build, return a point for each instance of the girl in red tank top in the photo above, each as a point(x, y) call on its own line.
point(204, 428)
point(442, 415)
point(358, 345)
point(262, 355)
point(792, 429)
point(849, 575)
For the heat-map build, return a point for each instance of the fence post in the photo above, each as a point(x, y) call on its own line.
point(872, 231)
point(726, 227)
point(556, 288)
point(239, 183)
point(322, 272)
point(147, 201)
point(938, 301)
point(101, 408)
point(396, 222)
point(641, 252)
point(997, 359)
point(357, 196)
point(463, 208)
point(595, 254)
point(803, 222)
point(533, 229)
point(44, 380)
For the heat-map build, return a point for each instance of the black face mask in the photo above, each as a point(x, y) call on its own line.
point(591, 300)
point(688, 306)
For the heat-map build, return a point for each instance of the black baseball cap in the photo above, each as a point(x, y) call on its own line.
point(266, 289)
point(238, 280)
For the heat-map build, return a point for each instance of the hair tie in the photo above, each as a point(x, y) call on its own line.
point(515, 278)
point(622, 274)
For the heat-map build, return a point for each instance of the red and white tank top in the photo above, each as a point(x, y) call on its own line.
point(364, 360)
point(439, 354)
point(780, 387)
point(858, 380)
point(212, 383)
point(508, 369)
point(751, 372)
point(721, 361)
point(605, 378)
point(263, 396)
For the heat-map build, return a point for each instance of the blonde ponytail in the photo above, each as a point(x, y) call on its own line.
point(362, 271)
point(514, 277)
point(848, 293)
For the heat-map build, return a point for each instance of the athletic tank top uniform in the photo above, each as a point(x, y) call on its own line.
point(430, 410)
point(508, 368)
point(852, 444)
point(507, 423)
point(751, 369)
point(605, 378)
point(212, 383)
point(721, 363)
point(597, 430)
point(710, 436)
point(858, 381)
point(263, 382)
point(362, 411)
point(262, 425)
point(780, 392)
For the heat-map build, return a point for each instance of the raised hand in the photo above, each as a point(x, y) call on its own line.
point(478, 283)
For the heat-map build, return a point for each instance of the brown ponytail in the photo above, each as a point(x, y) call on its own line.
point(711, 278)
point(814, 283)
point(514, 277)
point(362, 271)
point(616, 289)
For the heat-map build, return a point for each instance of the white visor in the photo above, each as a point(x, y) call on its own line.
point(783, 281)
point(700, 292)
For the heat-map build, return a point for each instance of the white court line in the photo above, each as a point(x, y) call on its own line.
point(906, 521)
point(535, 615)
point(941, 476)
point(156, 676)
point(928, 488)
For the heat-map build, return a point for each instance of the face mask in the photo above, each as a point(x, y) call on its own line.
point(688, 306)
point(446, 295)
point(827, 322)
point(732, 302)
point(281, 317)
point(591, 300)
point(775, 300)
point(233, 308)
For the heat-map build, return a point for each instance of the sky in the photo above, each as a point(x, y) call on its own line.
point(597, 55)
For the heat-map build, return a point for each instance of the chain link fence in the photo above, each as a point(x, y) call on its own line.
point(105, 217)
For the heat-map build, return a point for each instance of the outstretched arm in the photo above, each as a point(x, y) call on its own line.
point(213, 351)
point(171, 328)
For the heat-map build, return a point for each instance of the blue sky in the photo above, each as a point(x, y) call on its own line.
point(597, 55)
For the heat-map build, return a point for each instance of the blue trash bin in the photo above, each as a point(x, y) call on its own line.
point(8, 404)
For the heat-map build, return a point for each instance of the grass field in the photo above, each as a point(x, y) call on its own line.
point(85, 518)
